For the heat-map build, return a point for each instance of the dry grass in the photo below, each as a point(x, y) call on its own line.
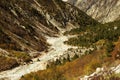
point(24, 56)
point(7, 63)
point(71, 70)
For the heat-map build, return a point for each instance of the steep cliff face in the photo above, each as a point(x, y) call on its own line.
point(101, 10)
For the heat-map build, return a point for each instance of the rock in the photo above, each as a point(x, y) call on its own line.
point(101, 10)
point(3, 52)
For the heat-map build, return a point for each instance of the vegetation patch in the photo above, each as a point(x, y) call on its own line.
point(91, 34)
point(20, 56)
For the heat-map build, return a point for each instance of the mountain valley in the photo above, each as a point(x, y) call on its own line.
point(59, 40)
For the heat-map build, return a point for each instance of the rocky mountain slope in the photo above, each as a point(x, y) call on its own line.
point(101, 10)
point(25, 24)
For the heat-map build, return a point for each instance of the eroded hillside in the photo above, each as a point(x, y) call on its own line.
point(25, 24)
